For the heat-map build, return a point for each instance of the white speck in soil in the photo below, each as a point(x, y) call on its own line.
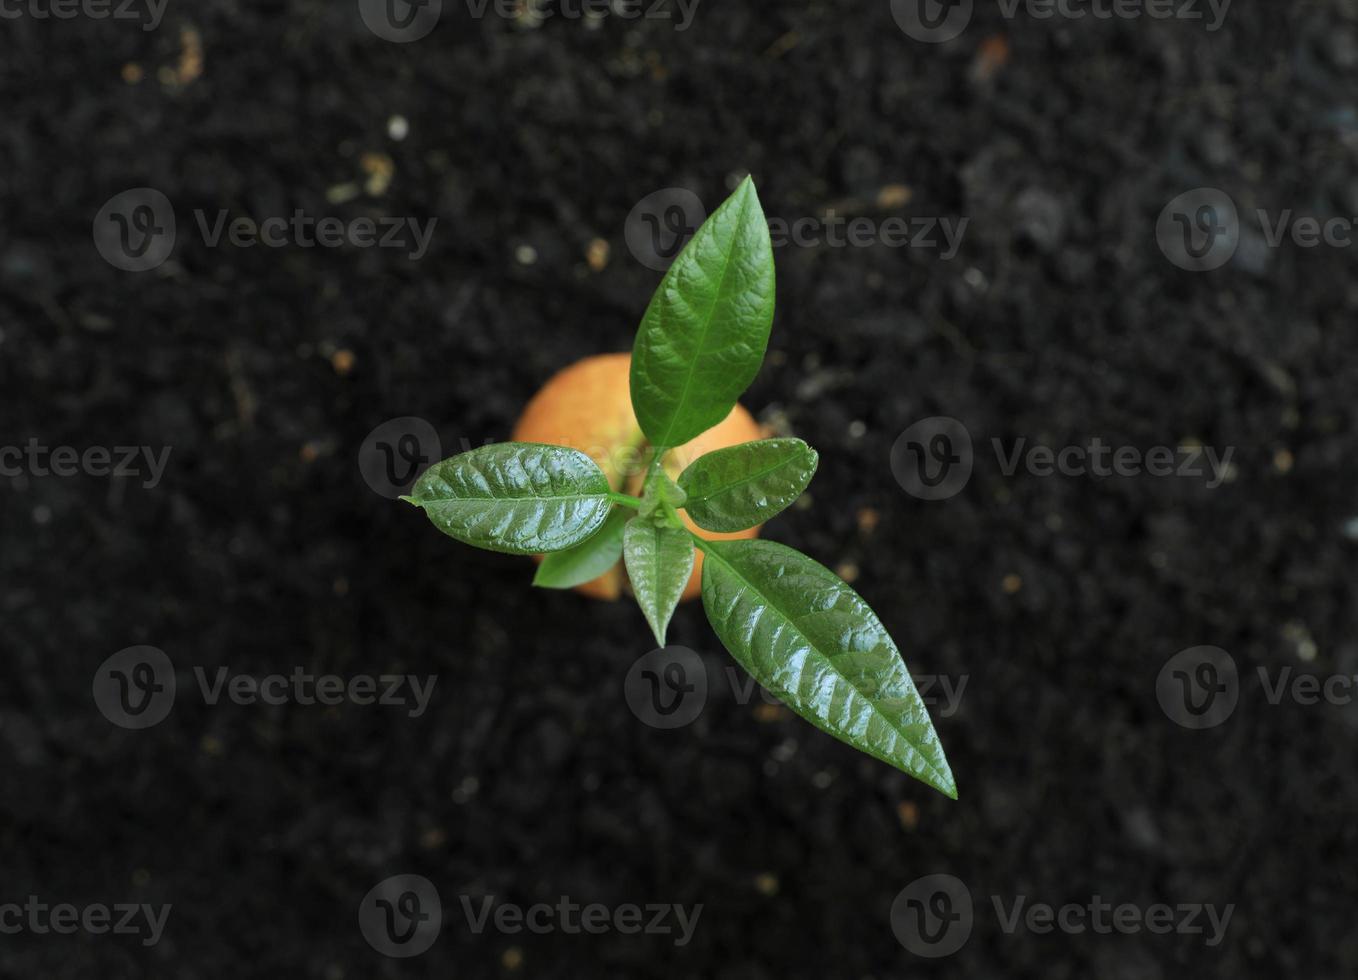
point(1298, 636)
point(525, 255)
point(398, 128)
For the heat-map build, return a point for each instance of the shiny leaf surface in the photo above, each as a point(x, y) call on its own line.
point(813, 642)
point(587, 560)
point(659, 562)
point(516, 498)
point(741, 486)
point(704, 334)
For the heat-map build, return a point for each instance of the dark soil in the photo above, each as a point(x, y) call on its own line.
point(529, 778)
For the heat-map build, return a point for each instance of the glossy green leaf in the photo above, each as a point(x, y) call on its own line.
point(587, 560)
point(516, 497)
point(705, 332)
point(741, 486)
point(813, 642)
point(659, 562)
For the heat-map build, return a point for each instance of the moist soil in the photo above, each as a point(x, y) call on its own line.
point(1057, 598)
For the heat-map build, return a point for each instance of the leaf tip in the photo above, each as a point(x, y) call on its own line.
point(411, 500)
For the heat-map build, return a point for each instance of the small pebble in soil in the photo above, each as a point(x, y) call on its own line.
point(894, 196)
point(908, 814)
point(597, 255)
point(466, 789)
point(1283, 460)
point(525, 255)
point(1350, 529)
point(342, 361)
point(512, 958)
point(857, 429)
point(42, 514)
point(380, 169)
point(848, 571)
point(398, 128)
point(1011, 584)
point(766, 884)
point(868, 519)
point(1298, 636)
point(768, 713)
point(133, 73)
point(823, 779)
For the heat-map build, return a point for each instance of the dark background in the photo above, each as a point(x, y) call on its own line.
point(529, 778)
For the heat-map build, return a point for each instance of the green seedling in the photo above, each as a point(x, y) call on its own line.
point(794, 625)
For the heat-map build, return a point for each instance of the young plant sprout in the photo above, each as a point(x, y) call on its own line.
point(789, 621)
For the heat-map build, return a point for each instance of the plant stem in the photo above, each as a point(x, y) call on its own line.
point(626, 499)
